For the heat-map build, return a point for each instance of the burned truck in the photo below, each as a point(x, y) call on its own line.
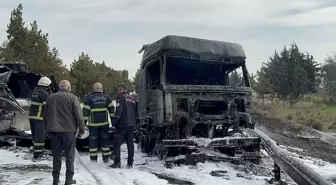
point(16, 87)
point(188, 106)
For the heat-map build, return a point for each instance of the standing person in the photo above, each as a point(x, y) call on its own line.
point(124, 120)
point(38, 100)
point(62, 117)
point(96, 110)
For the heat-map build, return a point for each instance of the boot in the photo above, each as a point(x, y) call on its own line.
point(106, 160)
point(69, 182)
point(69, 178)
point(93, 160)
point(56, 180)
point(115, 165)
point(37, 155)
point(129, 163)
point(40, 157)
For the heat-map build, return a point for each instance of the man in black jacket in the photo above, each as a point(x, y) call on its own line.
point(97, 108)
point(38, 100)
point(124, 120)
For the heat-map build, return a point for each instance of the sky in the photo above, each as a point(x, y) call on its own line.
point(114, 30)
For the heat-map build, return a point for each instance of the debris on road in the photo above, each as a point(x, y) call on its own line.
point(147, 171)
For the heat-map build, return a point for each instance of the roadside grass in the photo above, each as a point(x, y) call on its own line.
point(311, 111)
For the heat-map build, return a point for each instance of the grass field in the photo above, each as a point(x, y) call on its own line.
point(311, 111)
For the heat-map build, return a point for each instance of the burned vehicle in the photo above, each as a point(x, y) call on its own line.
point(16, 87)
point(187, 105)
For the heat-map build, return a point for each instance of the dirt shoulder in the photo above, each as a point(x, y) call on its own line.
point(288, 134)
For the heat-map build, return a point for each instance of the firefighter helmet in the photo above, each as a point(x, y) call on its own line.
point(44, 81)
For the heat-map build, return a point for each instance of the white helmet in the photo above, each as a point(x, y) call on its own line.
point(44, 81)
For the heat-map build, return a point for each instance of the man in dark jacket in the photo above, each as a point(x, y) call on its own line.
point(124, 120)
point(63, 117)
point(38, 100)
point(96, 110)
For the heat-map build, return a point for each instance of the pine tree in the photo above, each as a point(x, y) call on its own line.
point(16, 45)
point(288, 75)
point(329, 79)
point(136, 80)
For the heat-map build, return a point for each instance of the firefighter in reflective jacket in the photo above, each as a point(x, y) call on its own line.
point(97, 108)
point(37, 127)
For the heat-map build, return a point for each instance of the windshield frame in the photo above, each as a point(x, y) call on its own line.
point(230, 63)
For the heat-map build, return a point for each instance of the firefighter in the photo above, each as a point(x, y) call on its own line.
point(37, 127)
point(97, 108)
point(124, 120)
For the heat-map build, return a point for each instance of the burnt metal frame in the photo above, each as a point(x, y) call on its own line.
point(163, 63)
point(241, 64)
point(162, 59)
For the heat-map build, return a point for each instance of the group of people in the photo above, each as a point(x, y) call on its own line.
point(60, 116)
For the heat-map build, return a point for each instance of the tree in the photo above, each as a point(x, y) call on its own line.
point(83, 70)
point(31, 45)
point(5, 52)
point(276, 72)
point(288, 75)
point(14, 48)
point(86, 72)
point(38, 52)
point(329, 79)
point(262, 86)
point(252, 79)
point(136, 80)
point(310, 66)
point(58, 68)
point(299, 82)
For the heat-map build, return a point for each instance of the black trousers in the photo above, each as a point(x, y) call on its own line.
point(63, 141)
point(38, 134)
point(121, 135)
point(99, 137)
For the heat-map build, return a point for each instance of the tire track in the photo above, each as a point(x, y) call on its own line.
point(108, 178)
point(81, 162)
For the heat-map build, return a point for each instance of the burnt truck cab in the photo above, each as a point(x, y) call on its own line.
point(16, 87)
point(185, 93)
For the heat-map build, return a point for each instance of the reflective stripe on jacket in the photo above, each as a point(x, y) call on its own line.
point(97, 108)
point(38, 101)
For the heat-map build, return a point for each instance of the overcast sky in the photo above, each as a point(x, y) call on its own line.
point(114, 30)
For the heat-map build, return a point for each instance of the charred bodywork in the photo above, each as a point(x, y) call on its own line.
point(186, 97)
point(16, 87)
